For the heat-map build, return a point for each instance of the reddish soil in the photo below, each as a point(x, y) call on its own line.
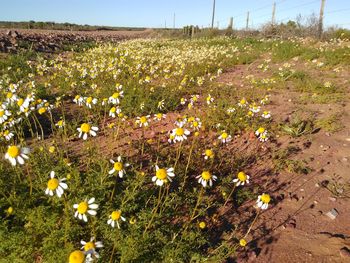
point(296, 228)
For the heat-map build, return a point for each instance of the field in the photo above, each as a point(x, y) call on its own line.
point(176, 150)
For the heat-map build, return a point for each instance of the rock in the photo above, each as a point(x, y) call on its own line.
point(332, 214)
point(333, 199)
point(344, 159)
point(345, 252)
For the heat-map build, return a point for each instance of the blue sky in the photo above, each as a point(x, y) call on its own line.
point(154, 13)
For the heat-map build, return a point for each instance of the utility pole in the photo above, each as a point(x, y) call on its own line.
point(273, 13)
point(174, 21)
point(247, 25)
point(213, 16)
point(165, 24)
point(320, 22)
point(230, 24)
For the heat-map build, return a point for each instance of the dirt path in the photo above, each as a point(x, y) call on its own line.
point(297, 228)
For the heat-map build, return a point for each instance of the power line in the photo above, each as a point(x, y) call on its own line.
point(337, 11)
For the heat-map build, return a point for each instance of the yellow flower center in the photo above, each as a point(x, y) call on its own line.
point(243, 101)
point(202, 225)
point(118, 166)
point(261, 130)
point(9, 95)
point(224, 135)
point(20, 102)
point(161, 174)
point(242, 242)
point(143, 119)
point(85, 128)
point(159, 115)
point(206, 175)
point(60, 123)
point(82, 207)
point(242, 176)
point(77, 97)
point(115, 95)
point(13, 151)
point(195, 124)
point(41, 110)
point(89, 100)
point(116, 215)
point(89, 245)
point(52, 184)
point(209, 153)
point(76, 256)
point(265, 198)
point(2, 113)
point(113, 110)
point(179, 132)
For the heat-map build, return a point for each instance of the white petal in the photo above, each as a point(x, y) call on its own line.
point(111, 171)
point(91, 200)
point(20, 159)
point(93, 206)
point(64, 185)
point(93, 133)
point(154, 178)
point(75, 206)
point(52, 174)
point(85, 218)
point(92, 212)
point(85, 136)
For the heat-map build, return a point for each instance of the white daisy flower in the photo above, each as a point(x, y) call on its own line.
point(55, 184)
point(263, 201)
point(143, 121)
point(206, 178)
point(16, 154)
point(4, 114)
point(266, 115)
point(8, 135)
point(90, 101)
point(163, 175)
point(115, 98)
point(114, 218)
point(241, 179)
point(159, 116)
point(209, 99)
point(86, 129)
point(114, 111)
point(180, 134)
point(85, 207)
point(78, 100)
point(90, 249)
point(242, 103)
point(225, 137)
point(118, 167)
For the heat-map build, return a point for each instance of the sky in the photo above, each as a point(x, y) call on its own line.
point(157, 13)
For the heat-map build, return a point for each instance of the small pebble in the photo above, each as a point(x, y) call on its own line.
point(332, 214)
point(333, 199)
point(345, 252)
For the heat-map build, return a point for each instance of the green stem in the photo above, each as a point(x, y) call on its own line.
point(250, 228)
point(229, 196)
